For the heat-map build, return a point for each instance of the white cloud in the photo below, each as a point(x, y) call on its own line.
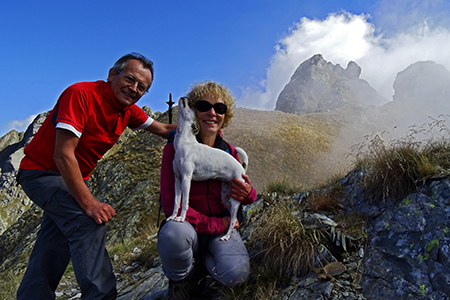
point(20, 125)
point(390, 56)
point(345, 37)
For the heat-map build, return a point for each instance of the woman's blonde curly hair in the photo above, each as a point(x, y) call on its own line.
point(215, 90)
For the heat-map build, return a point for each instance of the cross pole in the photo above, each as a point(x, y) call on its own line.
point(170, 103)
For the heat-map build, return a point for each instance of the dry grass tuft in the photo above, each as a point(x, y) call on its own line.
point(352, 224)
point(396, 168)
point(285, 245)
point(324, 202)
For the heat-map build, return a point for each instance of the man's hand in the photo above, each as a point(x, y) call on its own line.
point(99, 211)
point(240, 190)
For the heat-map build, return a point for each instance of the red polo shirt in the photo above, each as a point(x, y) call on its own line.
point(91, 112)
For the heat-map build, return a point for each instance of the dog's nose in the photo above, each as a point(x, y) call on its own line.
point(183, 101)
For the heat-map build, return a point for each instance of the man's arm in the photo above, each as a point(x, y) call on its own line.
point(65, 159)
point(161, 129)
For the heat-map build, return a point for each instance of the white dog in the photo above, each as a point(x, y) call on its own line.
point(196, 161)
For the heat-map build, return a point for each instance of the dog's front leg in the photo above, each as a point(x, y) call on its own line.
point(177, 200)
point(234, 210)
point(232, 205)
point(185, 189)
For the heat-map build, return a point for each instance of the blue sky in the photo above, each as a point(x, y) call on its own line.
point(251, 46)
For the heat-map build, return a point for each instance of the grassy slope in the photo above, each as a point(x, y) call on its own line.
point(302, 151)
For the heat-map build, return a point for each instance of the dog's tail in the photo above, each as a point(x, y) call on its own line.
point(244, 158)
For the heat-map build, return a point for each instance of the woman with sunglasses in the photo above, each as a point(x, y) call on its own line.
point(189, 248)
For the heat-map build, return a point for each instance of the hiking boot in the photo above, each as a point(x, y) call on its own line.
point(178, 290)
point(187, 288)
point(211, 289)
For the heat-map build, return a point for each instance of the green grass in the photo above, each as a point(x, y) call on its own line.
point(9, 285)
point(264, 284)
point(282, 188)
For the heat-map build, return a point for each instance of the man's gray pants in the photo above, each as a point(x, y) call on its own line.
point(66, 232)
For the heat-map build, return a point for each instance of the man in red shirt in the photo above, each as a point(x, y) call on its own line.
point(86, 121)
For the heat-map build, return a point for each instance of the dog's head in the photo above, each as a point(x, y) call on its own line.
point(186, 115)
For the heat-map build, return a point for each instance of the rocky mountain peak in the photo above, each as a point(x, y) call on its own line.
point(423, 87)
point(320, 86)
point(422, 82)
point(13, 200)
point(422, 91)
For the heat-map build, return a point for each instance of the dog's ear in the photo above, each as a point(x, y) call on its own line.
point(195, 130)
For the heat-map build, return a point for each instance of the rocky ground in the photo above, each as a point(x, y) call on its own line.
point(401, 252)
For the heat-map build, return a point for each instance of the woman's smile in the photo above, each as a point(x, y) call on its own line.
point(209, 121)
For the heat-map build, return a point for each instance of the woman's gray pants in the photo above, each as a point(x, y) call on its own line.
point(178, 245)
point(66, 232)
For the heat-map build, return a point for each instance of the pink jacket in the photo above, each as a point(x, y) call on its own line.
point(205, 204)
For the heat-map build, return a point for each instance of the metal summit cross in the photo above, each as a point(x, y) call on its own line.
point(170, 103)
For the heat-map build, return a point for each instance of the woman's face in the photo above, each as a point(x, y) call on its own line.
point(210, 122)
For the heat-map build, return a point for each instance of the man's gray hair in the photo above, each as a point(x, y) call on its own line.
point(123, 61)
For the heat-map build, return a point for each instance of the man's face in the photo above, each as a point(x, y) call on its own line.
point(125, 92)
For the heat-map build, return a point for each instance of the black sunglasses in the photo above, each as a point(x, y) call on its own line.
point(204, 106)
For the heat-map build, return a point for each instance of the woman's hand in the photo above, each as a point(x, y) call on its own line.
point(240, 190)
point(227, 221)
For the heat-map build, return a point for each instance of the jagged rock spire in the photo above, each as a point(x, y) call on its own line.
point(320, 86)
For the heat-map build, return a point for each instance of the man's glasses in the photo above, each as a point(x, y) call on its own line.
point(132, 81)
point(204, 106)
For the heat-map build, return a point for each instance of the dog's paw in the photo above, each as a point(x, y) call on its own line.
point(179, 219)
point(225, 237)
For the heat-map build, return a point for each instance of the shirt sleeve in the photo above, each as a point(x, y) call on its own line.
point(139, 119)
point(73, 109)
point(68, 127)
